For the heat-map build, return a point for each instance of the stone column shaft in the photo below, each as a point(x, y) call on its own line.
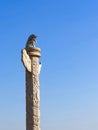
point(30, 59)
point(32, 93)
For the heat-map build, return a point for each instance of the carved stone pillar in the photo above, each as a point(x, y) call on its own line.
point(30, 58)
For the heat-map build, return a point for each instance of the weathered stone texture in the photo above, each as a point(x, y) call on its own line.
point(32, 96)
point(30, 59)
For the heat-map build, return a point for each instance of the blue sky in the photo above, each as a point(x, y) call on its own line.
point(68, 37)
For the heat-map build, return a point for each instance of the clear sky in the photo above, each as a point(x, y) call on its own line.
point(67, 33)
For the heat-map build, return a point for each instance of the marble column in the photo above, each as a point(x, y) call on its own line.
point(32, 87)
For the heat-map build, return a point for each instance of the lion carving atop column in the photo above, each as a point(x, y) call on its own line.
point(31, 43)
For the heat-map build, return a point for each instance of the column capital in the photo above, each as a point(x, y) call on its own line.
point(33, 51)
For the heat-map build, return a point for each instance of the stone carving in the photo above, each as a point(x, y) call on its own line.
point(31, 42)
point(30, 59)
point(32, 96)
point(27, 61)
